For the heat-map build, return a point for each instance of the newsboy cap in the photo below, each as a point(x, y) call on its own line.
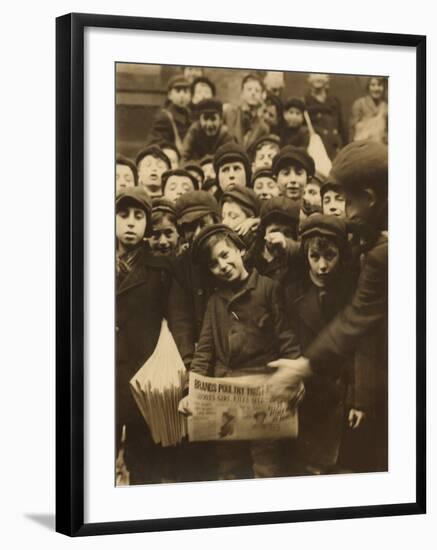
point(243, 196)
point(280, 207)
point(139, 197)
point(291, 154)
point(362, 164)
point(270, 138)
point(160, 204)
point(232, 152)
point(194, 205)
point(210, 105)
point(210, 230)
point(322, 225)
point(121, 159)
point(178, 81)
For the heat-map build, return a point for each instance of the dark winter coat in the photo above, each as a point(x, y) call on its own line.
point(299, 137)
point(327, 120)
point(162, 128)
point(361, 331)
point(188, 297)
point(245, 330)
point(197, 144)
point(322, 413)
point(141, 301)
point(246, 132)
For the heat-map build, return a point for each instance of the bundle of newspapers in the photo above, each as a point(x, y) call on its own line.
point(157, 389)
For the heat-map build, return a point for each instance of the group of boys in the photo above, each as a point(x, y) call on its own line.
point(260, 265)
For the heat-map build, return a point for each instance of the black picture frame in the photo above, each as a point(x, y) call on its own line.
point(70, 273)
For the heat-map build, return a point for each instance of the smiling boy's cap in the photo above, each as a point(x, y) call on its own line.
point(290, 154)
point(210, 230)
point(361, 164)
point(136, 196)
point(154, 151)
point(194, 205)
point(178, 172)
point(178, 81)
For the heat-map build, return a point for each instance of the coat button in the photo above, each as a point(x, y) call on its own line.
point(199, 292)
point(117, 328)
point(325, 132)
point(319, 115)
point(335, 131)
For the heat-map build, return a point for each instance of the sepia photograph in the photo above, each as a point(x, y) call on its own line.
point(251, 269)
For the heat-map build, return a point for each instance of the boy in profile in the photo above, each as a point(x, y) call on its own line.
point(360, 330)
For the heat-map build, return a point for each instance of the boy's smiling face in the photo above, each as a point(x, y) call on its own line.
point(164, 237)
point(130, 226)
point(210, 122)
point(265, 188)
point(334, 203)
point(123, 177)
point(177, 186)
point(292, 180)
point(226, 262)
point(150, 170)
point(264, 155)
point(231, 173)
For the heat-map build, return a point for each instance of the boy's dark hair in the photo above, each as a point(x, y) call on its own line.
point(127, 162)
point(291, 155)
point(252, 76)
point(159, 215)
point(294, 102)
point(272, 99)
point(153, 151)
point(203, 80)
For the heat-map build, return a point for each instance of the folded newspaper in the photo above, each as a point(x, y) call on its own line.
point(237, 408)
point(157, 389)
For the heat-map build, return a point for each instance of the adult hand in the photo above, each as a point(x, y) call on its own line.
point(285, 382)
point(356, 418)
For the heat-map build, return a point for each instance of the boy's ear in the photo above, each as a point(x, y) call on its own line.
point(371, 197)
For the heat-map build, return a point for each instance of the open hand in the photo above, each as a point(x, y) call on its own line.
point(184, 406)
point(250, 224)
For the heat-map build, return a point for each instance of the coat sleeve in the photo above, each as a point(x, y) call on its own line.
point(181, 321)
point(188, 143)
point(368, 307)
point(288, 344)
point(161, 129)
point(204, 356)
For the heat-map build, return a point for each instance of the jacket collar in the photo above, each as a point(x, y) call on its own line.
point(140, 272)
point(226, 293)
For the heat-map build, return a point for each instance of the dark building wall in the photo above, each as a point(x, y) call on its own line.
point(142, 89)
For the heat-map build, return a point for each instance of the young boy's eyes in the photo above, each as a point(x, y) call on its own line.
point(139, 214)
point(339, 198)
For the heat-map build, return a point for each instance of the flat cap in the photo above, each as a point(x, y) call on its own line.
point(210, 230)
point(178, 81)
point(242, 195)
point(232, 152)
point(210, 105)
point(138, 196)
point(178, 172)
point(194, 205)
point(361, 164)
point(280, 207)
point(155, 151)
point(288, 154)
